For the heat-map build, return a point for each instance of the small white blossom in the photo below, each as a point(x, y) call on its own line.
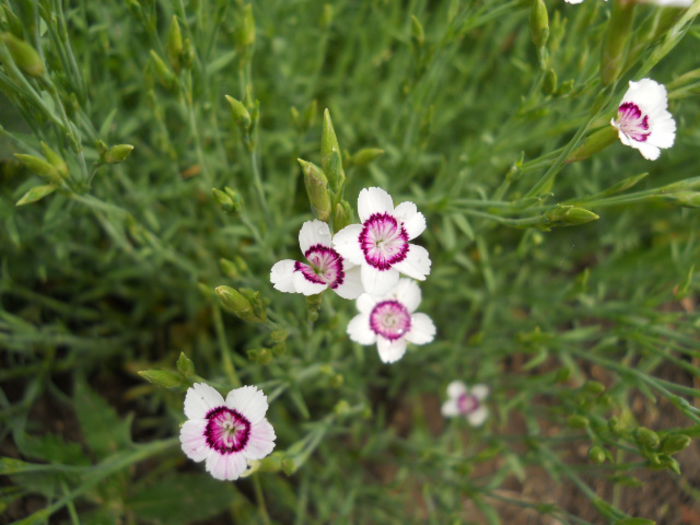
point(325, 268)
point(669, 3)
point(380, 244)
point(226, 434)
point(466, 402)
point(390, 321)
point(643, 122)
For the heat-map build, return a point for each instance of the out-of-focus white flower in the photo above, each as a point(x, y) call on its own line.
point(226, 434)
point(466, 402)
point(380, 244)
point(390, 321)
point(643, 122)
point(669, 3)
point(325, 269)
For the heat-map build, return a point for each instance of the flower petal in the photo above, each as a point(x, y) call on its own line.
point(312, 233)
point(391, 351)
point(648, 94)
point(303, 285)
point(648, 151)
point(422, 329)
point(373, 200)
point(347, 243)
point(408, 293)
point(226, 467)
point(480, 391)
point(412, 219)
point(282, 276)
point(352, 285)
point(449, 408)
point(261, 441)
point(249, 401)
point(365, 303)
point(378, 282)
point(478, 417)
point(416, 264)
point(663, 133)
point(456, 389)
point(193, 441)
point(359, 330)
point(200, 399)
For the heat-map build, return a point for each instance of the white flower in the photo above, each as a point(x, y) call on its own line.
point(643, 122)
point(380, 244)
point(389, 321)
point(467, 402)
point(669, 3)
point(226, 434)
point(326, 268)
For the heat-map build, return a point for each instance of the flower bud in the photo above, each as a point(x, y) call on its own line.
point(317, 190)
point(117, 153)
point(539, 23)
point(55, 160)
point(646, 438)
point(342, 215)
point(567, 215)
point(331, 160)
point(595, 142)
point(185, 365)
point(225, 200)
point(245, 36)
point(279, 336)
point(36, 194)
point(549, 86)
point(236, 303)
point(162, 71)
point(674, 443)
point(365, 156)
point(327, 16)
point(39, 166)
point(175, 44)
point(615, 45)
point(24, 55)
point(597, 454)
point(577, 421)
point(241, 116)
point(163, 378)
point(594, 387)
point(229, 267)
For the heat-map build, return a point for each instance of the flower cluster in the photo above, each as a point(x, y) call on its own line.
point(365, 261)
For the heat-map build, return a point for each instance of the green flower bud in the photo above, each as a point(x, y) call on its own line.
point(175, 44)
point(229, 268)
point(597, 454)
point(342, 215)
point(262, 356)
point(646, 438)
point(39, 166)
point(567, 215)
point(36, 194)
point(317, 190)
point(224, 199)
point(342, 407)
point(289, 466)
point(595, 142)
point(55, 160)
point(615, 426)
point(365, 156)
point(539, 23)
point(117, 153)
point(279, 335)
point(594, 387)
point(245, 37)
point(549, 85)
point(185, 365)
point(273, 462)
point(163, 73)
point(331, 160)
point(674, 443)
point(163, 378)
point(241, 116)
point(24, 55)
point(236, 303)
point(616, 41)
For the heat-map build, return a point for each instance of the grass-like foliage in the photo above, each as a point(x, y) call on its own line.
point(149, 181)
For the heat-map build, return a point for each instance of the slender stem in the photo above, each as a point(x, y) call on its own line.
point(262, 507)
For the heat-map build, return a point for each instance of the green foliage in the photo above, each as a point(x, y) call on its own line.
point(149, 180)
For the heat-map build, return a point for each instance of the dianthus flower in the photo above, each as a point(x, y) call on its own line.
point(643, 122)
point(227, 434)
point(466, 402)
point(325, 268)
point(389, 321)
point(380, 244)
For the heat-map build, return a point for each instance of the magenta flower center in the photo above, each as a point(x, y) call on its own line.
point(467, 403)
point(227, 431)
point(325, 266)
point(390, 319)
point(632, 122)
point(383, 240)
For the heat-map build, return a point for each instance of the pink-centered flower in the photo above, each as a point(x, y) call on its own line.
point(466, 402)
point(390, 321)
point(226, 434)
point(325, 267)
point(380, 245)
point(643, 121)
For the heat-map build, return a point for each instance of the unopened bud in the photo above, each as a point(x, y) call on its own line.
point(225, 200)
point(597, 454)
point(162, 378)
point(185, 365)
point(279, 336)
point(117, 153)
point(577, 421)
point(175, 44)
point(55, 160)
point(674, 443)
point(595, 142)
point(615, 46)
point(317, 190)
point(331, 160)
point(594, 387)
point(236, 303)
point(245, 37)
point(647, 438)
point(549, 85)
point(342, 215)
point(24, 55)
point(39, 166)
point(36, 194)
point(241, 116)
point(567, 215)
point(165, 76)
point(539, 23)
point(365, 156)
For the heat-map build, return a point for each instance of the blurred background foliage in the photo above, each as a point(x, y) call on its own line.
point(583, 323)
